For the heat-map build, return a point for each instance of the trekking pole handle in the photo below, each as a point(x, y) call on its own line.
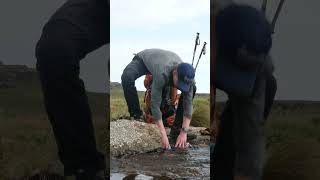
point(195, 46)
point(198, 39)
point(203, 51)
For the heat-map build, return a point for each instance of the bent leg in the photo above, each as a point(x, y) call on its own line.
point(65, 40)
point(133, 71)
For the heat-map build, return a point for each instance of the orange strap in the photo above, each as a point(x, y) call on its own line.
point(147, 100)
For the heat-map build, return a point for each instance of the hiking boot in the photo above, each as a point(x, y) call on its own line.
point(140, 118)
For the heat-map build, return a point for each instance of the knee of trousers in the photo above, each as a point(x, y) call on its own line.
point(56, 51)
point(55, 60)
point(127, 78)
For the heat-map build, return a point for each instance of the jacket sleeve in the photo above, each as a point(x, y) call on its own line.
point(187, 103)
point(156, 97)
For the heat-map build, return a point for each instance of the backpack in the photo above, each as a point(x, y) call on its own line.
point(168, 104)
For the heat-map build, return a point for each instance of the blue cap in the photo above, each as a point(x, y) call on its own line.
point(186, 75)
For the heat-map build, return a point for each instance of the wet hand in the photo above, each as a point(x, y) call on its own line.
point(182, 140)
point(165, 142)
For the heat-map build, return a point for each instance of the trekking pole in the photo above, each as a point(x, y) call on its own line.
point(195, 46)
point(274, 20)
point(203, 51)
point(264, 6)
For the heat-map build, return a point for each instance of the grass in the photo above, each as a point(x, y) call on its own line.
point(201, 103)
point(201, 111)
point(292, 141)
point(293, 146)
point(27, 141)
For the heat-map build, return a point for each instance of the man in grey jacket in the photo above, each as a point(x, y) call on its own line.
point(167, 69)
point(243, 42)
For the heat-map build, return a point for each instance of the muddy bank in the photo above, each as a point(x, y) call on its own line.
point(132, 137)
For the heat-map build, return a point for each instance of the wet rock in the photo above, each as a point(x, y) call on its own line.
point(130, 137)
point(205, 132)
point(191, 163)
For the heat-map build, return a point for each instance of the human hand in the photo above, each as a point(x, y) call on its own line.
point(164, 137)
point(165, 142)
point(182, 140)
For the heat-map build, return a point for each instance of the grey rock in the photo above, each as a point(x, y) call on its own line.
point(130, 137)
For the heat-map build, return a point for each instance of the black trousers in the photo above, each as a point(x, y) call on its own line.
point(131, 73)
point(177, 125)
point(240, 144)
point(75, 29)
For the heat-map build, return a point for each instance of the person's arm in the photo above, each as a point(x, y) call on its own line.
point(156, 97)
point(187, 108)
point(187, 115)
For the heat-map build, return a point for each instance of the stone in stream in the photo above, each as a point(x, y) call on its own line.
point(130, 137)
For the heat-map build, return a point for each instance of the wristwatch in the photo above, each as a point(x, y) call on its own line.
point(185, 130)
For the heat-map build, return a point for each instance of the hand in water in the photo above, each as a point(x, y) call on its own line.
point(182, 140)
point(165, 143)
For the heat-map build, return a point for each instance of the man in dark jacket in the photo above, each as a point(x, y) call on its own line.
point(243, 44)
point(167, 69)
point(75, 29)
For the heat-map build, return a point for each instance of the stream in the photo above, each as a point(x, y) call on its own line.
point(193, 163)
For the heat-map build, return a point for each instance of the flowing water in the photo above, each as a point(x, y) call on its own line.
point(193, 163)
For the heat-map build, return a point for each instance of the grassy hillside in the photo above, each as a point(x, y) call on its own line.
point(27, 141)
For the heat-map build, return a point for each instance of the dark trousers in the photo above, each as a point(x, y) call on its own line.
point(175, 129)
point(76, 29)
point(131, 73)
point(240, 144)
